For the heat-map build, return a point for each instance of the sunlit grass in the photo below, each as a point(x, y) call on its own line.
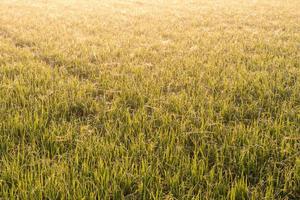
point(149, 99)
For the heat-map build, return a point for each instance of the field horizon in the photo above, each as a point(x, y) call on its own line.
point(135, 99)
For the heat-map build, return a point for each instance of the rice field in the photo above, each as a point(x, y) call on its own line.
point(136, 99)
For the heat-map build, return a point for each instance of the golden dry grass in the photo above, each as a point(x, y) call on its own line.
point(149, 99)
